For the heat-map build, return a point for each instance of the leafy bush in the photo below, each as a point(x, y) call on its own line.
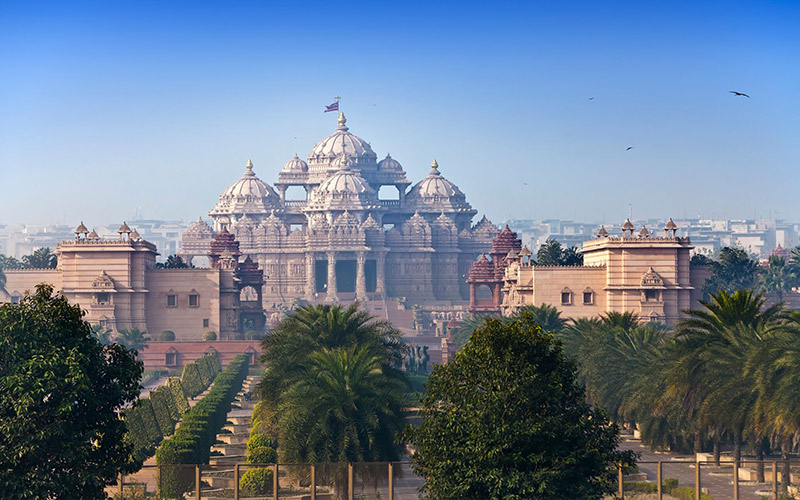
point(669, 484)
point(256, 482)
point(258, 441)
point(253, 335)
point(166, 336)
point(261, 455)
point(640, 486)
point(210, 335)
point(688, 493)
point(199, 374)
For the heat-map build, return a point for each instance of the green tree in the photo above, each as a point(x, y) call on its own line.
point(779, 276)
point(103, 334)
point(41, 258)
point(347, 407)
point(548, 317)
point(61, 394)
point(312, 328)
point(3, 290)
point(174, 262)
point(550, 253)
point(465, 328)
point(9, 262)
point(507, 419)
point(133, 338)
point(712, 349)
point(733, 270)
point(571, 257)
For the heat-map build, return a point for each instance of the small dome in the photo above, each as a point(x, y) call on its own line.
point(671, 226)
point(93, 235)
point(295, 166)
point(389, 164)
point(124, 228)
point(525, 252)
point(434, 193)
point(248, 195)
point(135, 235)
point(644, 232)
point(81, 229)
point(628, 226)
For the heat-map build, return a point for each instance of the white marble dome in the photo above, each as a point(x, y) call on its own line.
point(343, 189)
point(389, 164)
point(341, 142)
point(434, 193)
point(295, 166)
point(248, 195)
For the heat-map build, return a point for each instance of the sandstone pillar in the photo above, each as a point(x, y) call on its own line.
point(311, 281)
point(361, 279)
point(332, 297)
point(380, 266)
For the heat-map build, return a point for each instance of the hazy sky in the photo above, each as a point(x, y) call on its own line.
point(110, 106)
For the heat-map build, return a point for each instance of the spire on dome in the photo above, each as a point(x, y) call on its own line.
point(249, 172)
point(342, 122)
point(434, 168)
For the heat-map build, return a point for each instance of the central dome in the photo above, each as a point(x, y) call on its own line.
point(344, 189)
point(342, 142)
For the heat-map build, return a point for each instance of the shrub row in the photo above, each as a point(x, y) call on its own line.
point(151, 419)
point(688, 493)
point(198, 375)
point(192, 441)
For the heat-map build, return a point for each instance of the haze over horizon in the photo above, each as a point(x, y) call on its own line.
point(107, 107)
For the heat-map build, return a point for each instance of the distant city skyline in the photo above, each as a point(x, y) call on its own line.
point(529, 108)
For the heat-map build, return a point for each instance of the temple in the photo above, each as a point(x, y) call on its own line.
point(342, 239)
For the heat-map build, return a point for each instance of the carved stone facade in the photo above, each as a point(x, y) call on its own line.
point(119, 286)
point(342, 240)
point(645, 274)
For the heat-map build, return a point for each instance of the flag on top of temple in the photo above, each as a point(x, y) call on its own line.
point(332, 107)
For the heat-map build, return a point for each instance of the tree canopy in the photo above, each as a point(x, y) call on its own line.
point(733, 270)
point(552, 253)
point(61, 393)
point(174, 262)
point(507, 419)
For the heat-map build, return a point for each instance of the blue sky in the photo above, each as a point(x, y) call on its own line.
point(107, 107)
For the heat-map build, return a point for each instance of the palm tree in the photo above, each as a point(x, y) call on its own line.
point(133, 338)
point(104, 334)
point(550, 253)
point(779, 276)
point(3, 282)
point(713, 348)
point(627, 320)
point(465, 328)
point(312, 328)
point(41, 258)
point(571, 257)
point(346, 407)
point(546, 316)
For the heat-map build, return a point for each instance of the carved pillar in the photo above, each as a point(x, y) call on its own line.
point(331, 276)
point(380, 266)
point(282, 190)
point(311, 281)
point(402, 191)
point(361, 279)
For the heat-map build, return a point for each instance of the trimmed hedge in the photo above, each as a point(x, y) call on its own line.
point(688, 493)
point(640, 487)
point(174, 383)
point(257, 441)
point(192, 441)
point(256, 482)
point(198, 375)
point(262, 455)
point(150, 419)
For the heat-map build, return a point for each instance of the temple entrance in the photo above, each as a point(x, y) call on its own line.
point(371, 275)
point(321, 276)
point(346, 276)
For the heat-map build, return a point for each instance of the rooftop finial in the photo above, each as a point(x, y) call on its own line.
point(434, 168)
point(343, 162)
point(342, 121)
point(249, 164)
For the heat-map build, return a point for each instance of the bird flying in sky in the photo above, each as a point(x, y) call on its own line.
point(629, 148)
point(742, 94)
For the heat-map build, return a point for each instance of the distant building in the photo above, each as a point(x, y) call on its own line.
point(645, 274)
point(118, 285)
